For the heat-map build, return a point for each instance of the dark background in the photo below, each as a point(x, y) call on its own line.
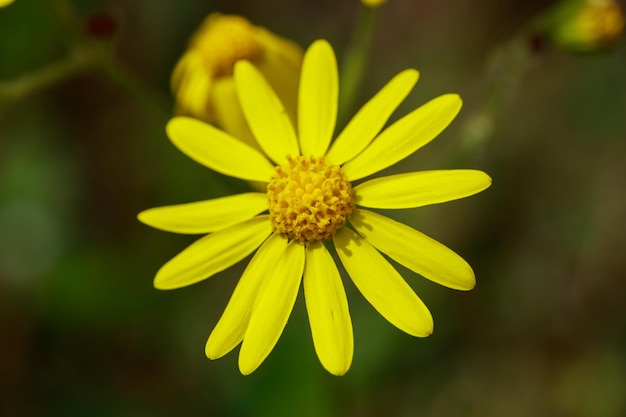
point(84, 333)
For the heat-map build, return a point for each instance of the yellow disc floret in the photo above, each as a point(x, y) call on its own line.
point(226, 41)
point(309, 199)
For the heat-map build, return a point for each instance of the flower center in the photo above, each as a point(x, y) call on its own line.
point(227, 40)
point(309, 199)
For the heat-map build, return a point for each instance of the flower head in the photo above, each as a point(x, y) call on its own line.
point(311, 200)
point(203, 77)
point(373, 3)
point(4, 3)
point(584, 25)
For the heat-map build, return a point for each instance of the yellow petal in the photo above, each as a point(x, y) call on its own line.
point(417, 189)
point(205, 216)
point(265, 113)
point(192, 87)
point(213, 253)
point(280, 65)
point(228, 113)
point(317, 99)
point(405, 136)
point(231, 327)
point(414, 250)
point(179, 70)
point(382, 285)
point(327, 306)
point(218, 150)
point(272, 308)
point(371, 118)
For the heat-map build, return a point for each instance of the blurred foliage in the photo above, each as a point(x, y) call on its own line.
point(84, 333)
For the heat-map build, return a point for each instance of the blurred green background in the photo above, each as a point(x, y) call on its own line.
point(84, 333)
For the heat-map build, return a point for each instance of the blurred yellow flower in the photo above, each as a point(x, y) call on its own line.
point(202, 80)
point(373, 3)
point(5, 2)
point(310, 201)
point(587, 25)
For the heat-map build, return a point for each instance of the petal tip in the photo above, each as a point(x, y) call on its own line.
point(411, 73)
point(246, 367)
point(141, 216)
point(488, 180)
point(175, 128)
point(453, 102)
point(212, 351)
point(241, 66)
point(467, 281)
point(167, 281)
point(468, 284)
point(428, 327)
point(174, 122)
point(161, 283)
point(338, 369)
point(321, 43)
point(456, 97)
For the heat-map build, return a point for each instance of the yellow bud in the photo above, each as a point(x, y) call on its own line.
point(586, 25)
point(373, 3)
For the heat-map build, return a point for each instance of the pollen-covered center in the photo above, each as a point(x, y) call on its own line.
point(229, 39)
point(309, 199)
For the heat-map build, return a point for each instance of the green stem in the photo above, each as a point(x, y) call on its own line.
point(355, 60)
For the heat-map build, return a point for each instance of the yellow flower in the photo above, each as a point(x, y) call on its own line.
point(4, 3)
point(586, 25)
point(203, 78)
point(311, 200)
point(373, 3)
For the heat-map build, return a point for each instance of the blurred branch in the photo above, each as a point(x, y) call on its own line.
point(91, 48)
point(591, 27)
point(27, 84)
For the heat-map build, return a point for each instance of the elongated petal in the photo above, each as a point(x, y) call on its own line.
point(192, 86)
point(218, 150)
point(327, 306)
point(232, 326)
point(272, 308)
point(280, 65)
point(414, 250)
point(265, 113)
point(371, 118)
point(228, 112)
point(205, 216)
point(416, 189)
point(213, 253)
point(405, 136)
point(382, 285)
point(317, 98)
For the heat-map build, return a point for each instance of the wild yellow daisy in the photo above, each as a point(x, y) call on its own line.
point(311, 200)
point(202, 80)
